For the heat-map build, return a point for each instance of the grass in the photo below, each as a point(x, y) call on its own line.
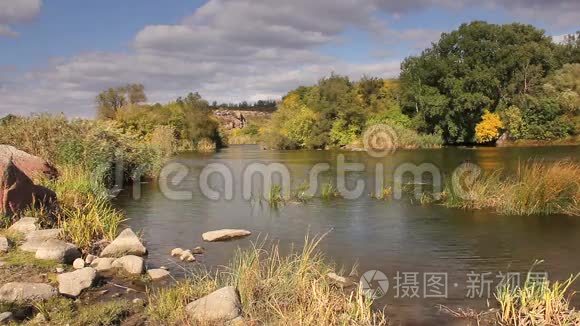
point(62, 311)
point(329, 191)
point(275, 289)
point(537, 303)
point(536, 188)
point(275, 197)
point(385, 194)
point(300, 194)
point(23, 258)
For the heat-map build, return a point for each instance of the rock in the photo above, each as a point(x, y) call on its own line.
point(35, 239)
point(18, 192)
point(4, 246)
point(157, 273)
point(238, 321)
point(59, 270)
point(164, 267)
point(26, 292)
point(126, 243)
point(24, 225)
point(90, 258)
point(79, 263)
point(224, 234)
point(73, 283)
point(58, 250)
point(138, 301)
point(102, 264)
point(198, 250)
point(341, 280)
point(187, 256)
point(176, 252)
point(32, 166)
point(130, 263)
point(221, 305)
point(6, 317)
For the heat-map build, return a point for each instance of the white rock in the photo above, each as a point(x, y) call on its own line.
point(219, 306)
point(35, 239)
point(130, 263)
point(341, 280)
point(58, 250)
point(138, 301)
point(26, 292)
point(78, 263)
point(24, 225)
point(4, 246)
point(187, 256)
point(6, 317)
point(73, 283)
point(126, 243)
point(90, 258)
point(176, 252)
point(102, 264)
point(157, 273)
point(224, 234)
point(59, 270)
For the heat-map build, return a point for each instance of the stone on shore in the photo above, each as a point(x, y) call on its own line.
point(90, 258)
point(24, 225)
point(59, 251)
point(6, 317)
point(73, 283)
point(198, 250)
point(35, 239)
point(102, 264)
point(26, 292)
point(4, 245)
point(126, 243)
point(222, 305)
point(176, 252)
point(187, 256)
point(32, 166)
point(340, 280)
point(157, 273)
point(79, 263)
point(130, 263)
point(224, 234)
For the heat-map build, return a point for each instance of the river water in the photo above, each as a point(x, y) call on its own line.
point(412, 244)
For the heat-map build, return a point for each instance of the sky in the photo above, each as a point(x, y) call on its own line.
point(56, 55)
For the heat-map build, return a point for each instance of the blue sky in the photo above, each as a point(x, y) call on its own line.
point(56, 55)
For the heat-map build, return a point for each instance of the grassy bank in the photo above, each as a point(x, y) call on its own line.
point(275, 289)
point(536, 188)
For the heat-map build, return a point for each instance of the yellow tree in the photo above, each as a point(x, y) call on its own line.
point(489, 128)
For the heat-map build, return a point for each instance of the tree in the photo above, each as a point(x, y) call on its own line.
point(488, 129)
point(478, 66)
point(135, 93)
point(111, 100)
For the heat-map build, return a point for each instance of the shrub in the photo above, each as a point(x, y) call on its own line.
point(488, 129)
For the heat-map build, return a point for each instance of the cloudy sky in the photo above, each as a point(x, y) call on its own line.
point(55, 55)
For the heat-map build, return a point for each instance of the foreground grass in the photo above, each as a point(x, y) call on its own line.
point(62, 311)
point(536, 188)
point(23, 258)
point(275, 289)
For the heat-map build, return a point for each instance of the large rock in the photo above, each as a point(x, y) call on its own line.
point(32, 166)
point(18, 192)
point(157, 273)
point(26, 292)
point(73, 283)
point(59, 251)
point(126, 243)
point(102, 264)
point(224, 234)
point(130, 263)
point(35, 239)
point(4, 245)
point(24, 225)
point(219, 306)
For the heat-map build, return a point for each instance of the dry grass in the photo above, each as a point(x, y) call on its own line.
point(275, 289)
point(536, 188)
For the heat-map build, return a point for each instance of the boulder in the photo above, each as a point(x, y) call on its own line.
point(198, 250)
point(26, 292)
point(6, 318)
point(4, 245)
point(90, 258)
point(102, 264)
point(24, 225)
point(58, 250)
point(222, 305)
point(130, 263)
point(18, 192)
point(32, 166)
point(126, 243)
point(35, 239)
point(224, 234)
point(79, 263)
point(176, 252)
point(186, 255)
point(157, 273)
point(73, 283)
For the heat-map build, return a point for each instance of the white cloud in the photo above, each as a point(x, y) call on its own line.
point(16, 11)
point(5, 30)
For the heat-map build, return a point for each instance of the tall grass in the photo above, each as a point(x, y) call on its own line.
point(275, 289)
point(275, 196)
point(536, 188)
point(537, 303)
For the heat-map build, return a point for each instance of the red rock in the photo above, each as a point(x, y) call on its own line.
point(32, 166)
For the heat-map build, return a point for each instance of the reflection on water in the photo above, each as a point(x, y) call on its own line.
point(390, 236)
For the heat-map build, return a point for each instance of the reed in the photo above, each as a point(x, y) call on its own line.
point(329, 191)
point(275, 197)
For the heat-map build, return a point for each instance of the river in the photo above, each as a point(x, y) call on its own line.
point(410, 243)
